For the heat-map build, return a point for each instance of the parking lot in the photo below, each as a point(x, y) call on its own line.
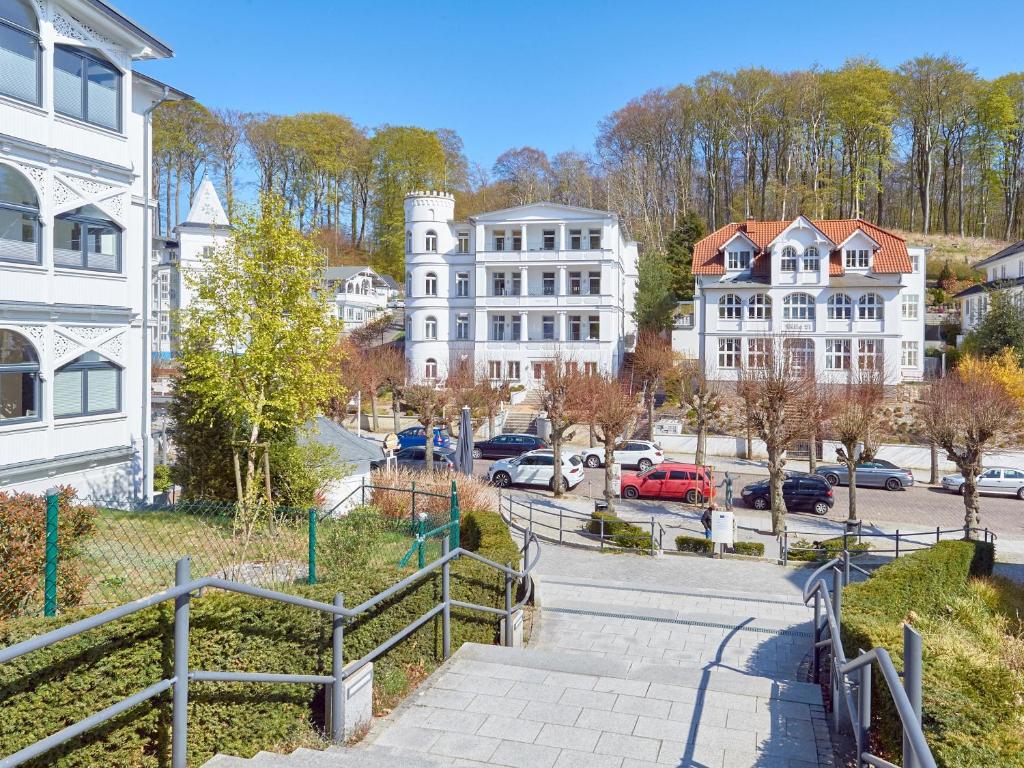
point(918, 507)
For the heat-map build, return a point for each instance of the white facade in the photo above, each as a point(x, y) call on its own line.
point(205, 229)
point(359, 295)
point(74, 266)
point(506, 291)
point(1004, 271)
point(853, 298)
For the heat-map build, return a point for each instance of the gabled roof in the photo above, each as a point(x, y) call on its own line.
point(206, 210)
point(110, 12)
point(991, 285)
point(1009, 250)
point(890, 257)
point(344, 273)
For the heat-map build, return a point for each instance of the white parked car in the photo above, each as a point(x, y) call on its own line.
point(536, 468)
point(639, 454)
point(1005, 481)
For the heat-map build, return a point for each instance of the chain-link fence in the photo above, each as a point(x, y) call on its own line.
point(57, 552)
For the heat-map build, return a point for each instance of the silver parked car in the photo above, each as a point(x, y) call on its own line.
point(877, 473)
point(1005, 481)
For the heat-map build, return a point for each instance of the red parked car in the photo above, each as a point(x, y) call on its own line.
point(691, 483)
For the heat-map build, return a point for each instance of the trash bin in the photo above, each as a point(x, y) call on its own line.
point(600, 505)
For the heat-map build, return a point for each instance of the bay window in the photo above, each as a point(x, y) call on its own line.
point(86, 87)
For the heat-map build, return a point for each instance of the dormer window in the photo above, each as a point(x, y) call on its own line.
point(788, 262)
point(812, 262)
point(739, 259)
point(857, 259)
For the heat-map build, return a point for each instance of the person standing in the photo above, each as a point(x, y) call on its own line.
point(705, 519)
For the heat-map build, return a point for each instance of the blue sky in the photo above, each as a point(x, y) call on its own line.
point(532, 73)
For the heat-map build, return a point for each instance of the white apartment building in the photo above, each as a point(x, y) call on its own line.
point(204, 229)
point(1004, 271)
point(359, 295)
point(839, 295)
point(74, 247)
point(507, 290)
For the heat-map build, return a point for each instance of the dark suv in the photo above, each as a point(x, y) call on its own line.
point(802, 493)
point(503, 446)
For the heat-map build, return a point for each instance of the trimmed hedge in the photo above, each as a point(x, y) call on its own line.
point(612, 524)
point(44, 691)
point(971, 702)
point(754, 548)
point(694, 544)
point(622, 533)
point(832, 547)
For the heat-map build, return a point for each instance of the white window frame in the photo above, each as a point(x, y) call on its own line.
point(431, 241)
point(462, 284)
point(759, 350)
point(909, 354)
point(730, 352)
point(870, 307)
point(811, 260)
point(430, 284)
point(463, 242)
point(840, 307)
point(739, 260)
point(787, 260)
point(462, 326)
point(759, 307)
point(430, 369)
point(870, 354)
point(798, 306)
point(838, 354)
point(910, 303)
point(430, 328)
point(730, 307)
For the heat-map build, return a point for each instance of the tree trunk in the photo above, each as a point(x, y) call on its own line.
point(812, 452)
point(428, 454)
point(490, 425)
point(851, 471)
point(556, 451)
point(592, 437)
point(395, 411)
point(702, 429)
point(933, 475)
point(650, 413)
point(609, 460)
point(373, 410)
point(972, 506)
point(749, 447)
point(776, 474)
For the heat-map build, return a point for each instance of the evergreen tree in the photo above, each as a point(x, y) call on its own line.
point(655, 302)
point(1001, 328)
point(679, 254)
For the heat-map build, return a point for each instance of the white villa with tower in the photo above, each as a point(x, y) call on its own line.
point(841, 295)
point(506, 291)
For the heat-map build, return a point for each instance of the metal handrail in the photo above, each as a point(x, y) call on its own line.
point(182, 594)
point(916, 752)
point(911, 537)
point(361, 488)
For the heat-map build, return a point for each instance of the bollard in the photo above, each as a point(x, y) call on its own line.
point(311, 575)
point(50, 572)
point(179, 704)
point(446, 614)
point(338, 673)
point(912, 685)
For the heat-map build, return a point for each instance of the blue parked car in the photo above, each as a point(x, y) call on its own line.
point(416, 436)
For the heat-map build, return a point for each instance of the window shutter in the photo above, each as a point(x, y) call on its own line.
point(67, 393)
point(102, 388)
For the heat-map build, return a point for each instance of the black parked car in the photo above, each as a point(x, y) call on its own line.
point(801, 492)
point(503, 446)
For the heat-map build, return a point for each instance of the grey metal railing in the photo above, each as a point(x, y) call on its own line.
point(540, 521)
point(850, 680)
point(899, 542)
point(182, 593)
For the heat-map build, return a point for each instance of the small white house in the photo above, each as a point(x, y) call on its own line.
point(1004, 271)
point(355, 453)
point(359, 294)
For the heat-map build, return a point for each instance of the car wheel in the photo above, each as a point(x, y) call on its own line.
point(644, 464)
point(960, 490)
point(820, 508)
point(477, 453)
point(893, 484)
point(501, 479)
point(593, 462)
point(693, 496)
point(832, 478)
point(1020, 494)
point(565, 485)
point(761, 502)
point(630, 492)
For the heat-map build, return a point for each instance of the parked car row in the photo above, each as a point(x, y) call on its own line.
point(536, 468)
point(1003, 481)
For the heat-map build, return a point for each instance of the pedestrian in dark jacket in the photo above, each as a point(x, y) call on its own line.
point(705, 520)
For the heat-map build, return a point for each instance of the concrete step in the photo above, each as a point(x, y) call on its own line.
point(358, 756)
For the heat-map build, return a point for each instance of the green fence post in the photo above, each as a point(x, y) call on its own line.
point(50, 583)
point(421, 539)
point(454, 517)
point(311, 577)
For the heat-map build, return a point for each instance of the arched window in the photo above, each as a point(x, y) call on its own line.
point(430, 369)
point(759, 307)
point(366, 286)
point(430, 328)
point(798, 306)
point(840, 307)
point(19, 218)
point(430, 286)
point(87, 385)
point(86, 87)
point(408, 283)
point(408, 241)
point(730, 307)
point(86, 238)
point(19, 51)
point(431, 241)
point(788, 263)
point(812, 262)
point(19, 379)
point(869, 307)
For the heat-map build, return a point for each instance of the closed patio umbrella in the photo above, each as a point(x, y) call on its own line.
point(464, 450)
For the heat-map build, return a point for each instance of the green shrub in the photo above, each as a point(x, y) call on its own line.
point(971, 692)
point(42, 692)
point(811, 551)
point(694, 544)
point(632, 537)
point(612, 524)
point(755, 548)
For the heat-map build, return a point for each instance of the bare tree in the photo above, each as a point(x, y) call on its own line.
point(226, 133)
point(855, 420)
point(429, 403)
point(966, 416)
point(773, 387)
point(560, 399)
point(490, 394)
point(651, 362)
point(701, 398)
point(614, 414)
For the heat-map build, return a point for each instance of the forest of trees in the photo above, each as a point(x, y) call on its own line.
point(927, 147)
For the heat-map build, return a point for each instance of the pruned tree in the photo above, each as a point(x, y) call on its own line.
point(652, 361)
point(364, 372)
point(430, 404)
point(701, 398)
point(855, 421)
point(615, 410)
point(973, 410)
point(560, 400)
point(773, 388)
point(490, 394)
point(371, 334)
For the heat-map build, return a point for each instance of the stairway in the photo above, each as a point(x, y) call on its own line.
point(520, 423)
point(619, 673)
